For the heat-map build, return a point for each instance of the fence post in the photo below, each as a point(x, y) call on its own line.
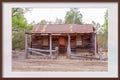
point(95, 46)
point(50, 45)
point(26, 45)
point(100, 54)
point(68, 47)
point(56, 48)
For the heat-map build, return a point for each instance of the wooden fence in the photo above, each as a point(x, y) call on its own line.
point(42, 52)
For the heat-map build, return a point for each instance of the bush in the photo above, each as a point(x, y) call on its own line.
point(102, 41)
point(18, 38)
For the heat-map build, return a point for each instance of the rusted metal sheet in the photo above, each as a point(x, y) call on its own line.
point(63, 28)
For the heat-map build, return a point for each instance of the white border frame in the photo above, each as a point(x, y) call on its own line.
point(112, 40)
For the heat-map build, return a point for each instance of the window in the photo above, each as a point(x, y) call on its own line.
point(78, 40)
point(45, 41)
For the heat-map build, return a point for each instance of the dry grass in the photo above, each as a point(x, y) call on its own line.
point(36, 63)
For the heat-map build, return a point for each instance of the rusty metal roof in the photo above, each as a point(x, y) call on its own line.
point(63, 28)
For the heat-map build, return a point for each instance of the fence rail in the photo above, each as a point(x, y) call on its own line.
point(41, 52)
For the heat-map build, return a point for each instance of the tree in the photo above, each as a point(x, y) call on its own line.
point(20, 11)
point(102, 32)
point(33, 23)
point(19, 27)
point(17, 11)
point(105, 25)
point(43, 22)
point(58, 21)
point(99, 28)
point(106, 22)
point(73, 16)
point(18, 19)
point(49, 22)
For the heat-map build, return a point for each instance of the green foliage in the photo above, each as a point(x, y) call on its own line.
point(17, 11)
point(19, 21)
point(58, 21)
point(18, 40)
point(102, 32)
point(73, 16)
point(19, 27)
point(50, 22)
point(106, 22)
point(20, 11)
point(105, 25)
point(99, 28)
point(43, 22)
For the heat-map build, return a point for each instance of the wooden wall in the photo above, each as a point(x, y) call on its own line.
point(80, 41)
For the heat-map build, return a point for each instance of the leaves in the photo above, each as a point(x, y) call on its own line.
point(106, 22)
point(43, 22)
point(102, 32)
point(73, 16)
point(19, 27)
point(19, 21)
point(59, 21)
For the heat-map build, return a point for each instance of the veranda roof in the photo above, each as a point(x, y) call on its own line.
point(63, 28)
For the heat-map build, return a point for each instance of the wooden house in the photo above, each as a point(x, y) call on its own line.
point(67, 37)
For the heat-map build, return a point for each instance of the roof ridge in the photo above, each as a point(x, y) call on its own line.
point(65, 24)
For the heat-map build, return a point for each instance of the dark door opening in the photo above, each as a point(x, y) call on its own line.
point(62, 45)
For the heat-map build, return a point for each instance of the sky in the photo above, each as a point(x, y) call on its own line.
point(50, 14)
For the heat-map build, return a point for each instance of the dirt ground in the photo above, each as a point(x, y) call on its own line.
point(37, 63)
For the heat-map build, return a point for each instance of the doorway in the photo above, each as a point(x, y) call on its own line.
point(62, 45)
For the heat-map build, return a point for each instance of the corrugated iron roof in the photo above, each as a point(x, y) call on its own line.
point(63, 28)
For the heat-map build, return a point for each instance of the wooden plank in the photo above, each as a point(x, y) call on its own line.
point(74, 57)
point(39, 53)
point(26, 45)
point(45, 55)
point(100, 54)
point(41, 50)
point(68, 48)
point(95, 46)
point(31, 42)
point(51, 45)
point(56, 54)
point(85, 57)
